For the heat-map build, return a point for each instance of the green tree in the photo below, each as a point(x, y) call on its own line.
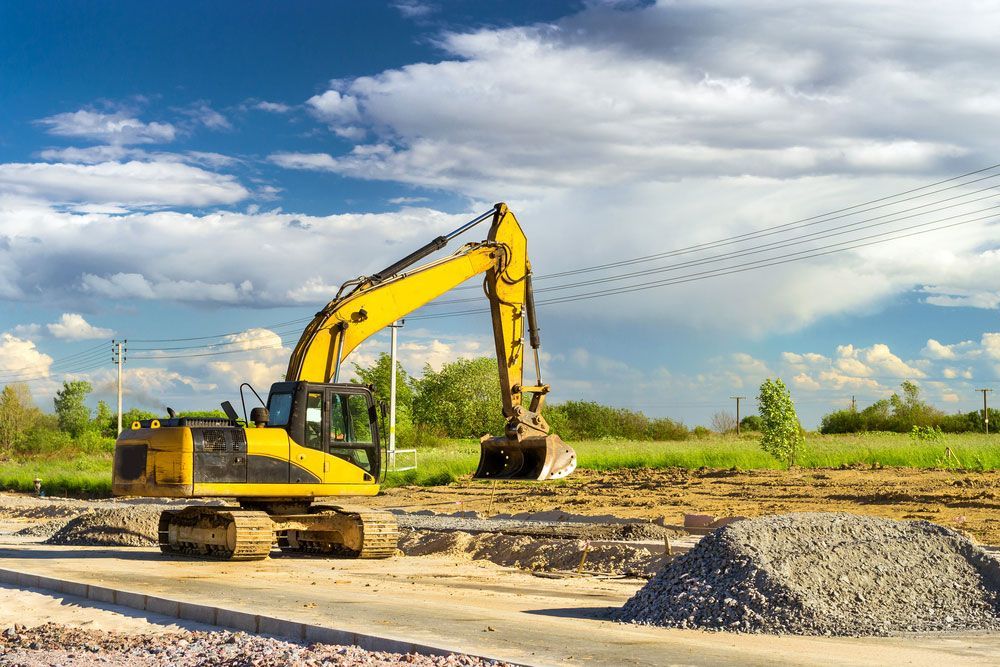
point(104, 420)
point(460, 400)
point(751, 423)
point(71, 410)
point(378, 376)
point(781, 435)
point(17, 415)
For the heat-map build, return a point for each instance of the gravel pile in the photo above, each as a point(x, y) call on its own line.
point(825, 574)
point(53, 644)
point(116, 527)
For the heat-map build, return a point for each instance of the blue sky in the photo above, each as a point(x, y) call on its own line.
point(187, 170)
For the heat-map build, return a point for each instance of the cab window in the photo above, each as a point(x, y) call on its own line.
point(314, 420)
point(279, 408)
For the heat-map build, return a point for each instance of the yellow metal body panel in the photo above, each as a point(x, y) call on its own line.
point(506, 287)
point(168, 470)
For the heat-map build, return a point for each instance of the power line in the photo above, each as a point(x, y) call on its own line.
point(723, 271)
point(776, 245)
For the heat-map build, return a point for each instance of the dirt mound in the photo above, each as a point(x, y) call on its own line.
point(531, 553)
point(826, 574)
point(117, 527)
point(46, 529)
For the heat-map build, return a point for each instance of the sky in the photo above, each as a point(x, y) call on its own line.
point(714, 192)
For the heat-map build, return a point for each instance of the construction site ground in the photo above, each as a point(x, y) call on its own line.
point(489, 609)
point(964, 500)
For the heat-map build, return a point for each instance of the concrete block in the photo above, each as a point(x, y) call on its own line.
point(133, 600)
point(319, 635)
point(49, 584)
point(282, 628)
point(74, 588)
point(101, 594)
point(237, 620)
point(163, 606)
point(25, 580)
point(197, 612)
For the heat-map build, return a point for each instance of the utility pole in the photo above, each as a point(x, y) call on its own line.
point(854, 405)
point(392, 392)
point(738, 399)
point(118, 356)
point(986, 411)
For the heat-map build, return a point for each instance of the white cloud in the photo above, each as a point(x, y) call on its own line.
point(258, 259)
point(936, 350)
point(272, 107)
point(72, 326)
point(413, 8)
point(130, 183)
point(115, 128)
point(205, 115)
point(21, 360)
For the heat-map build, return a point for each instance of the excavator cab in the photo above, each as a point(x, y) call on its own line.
point(337, 418)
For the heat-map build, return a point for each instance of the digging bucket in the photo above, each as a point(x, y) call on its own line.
point(537, 458)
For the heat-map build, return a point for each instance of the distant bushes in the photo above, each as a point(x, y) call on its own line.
point(901, 414)
point(587, 420)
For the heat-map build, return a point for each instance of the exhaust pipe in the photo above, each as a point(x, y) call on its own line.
point(532, 458)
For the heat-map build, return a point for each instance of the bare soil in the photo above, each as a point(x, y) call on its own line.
point(962, 500)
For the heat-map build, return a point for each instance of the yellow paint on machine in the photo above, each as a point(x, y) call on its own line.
point(258, 490)
point(169, 469)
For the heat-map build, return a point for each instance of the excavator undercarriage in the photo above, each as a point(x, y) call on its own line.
point(240, 534)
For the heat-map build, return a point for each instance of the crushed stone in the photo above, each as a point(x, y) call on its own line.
point(573, 529)
point(55, 644)
point(532, 553)
point(133, 526)
point(825, 574)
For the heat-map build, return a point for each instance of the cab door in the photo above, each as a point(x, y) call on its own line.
point(307, 458)
point(352, 432)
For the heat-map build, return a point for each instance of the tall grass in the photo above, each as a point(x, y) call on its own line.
point(89, 474)
point(75, 474)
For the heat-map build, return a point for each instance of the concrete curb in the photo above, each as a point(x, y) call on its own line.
point(228, 618)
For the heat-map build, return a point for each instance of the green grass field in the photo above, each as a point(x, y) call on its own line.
point(970, 451)
point(90, 474)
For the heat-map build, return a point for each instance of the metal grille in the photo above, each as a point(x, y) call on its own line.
point(239, 440)
point(213, 440)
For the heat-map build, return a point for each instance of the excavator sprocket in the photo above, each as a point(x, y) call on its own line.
point(217, 533)
point(341, 531)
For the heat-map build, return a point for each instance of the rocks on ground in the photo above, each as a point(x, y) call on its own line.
point(119, 526)
point(532, 553)
point(825, 574)
point(53, 644)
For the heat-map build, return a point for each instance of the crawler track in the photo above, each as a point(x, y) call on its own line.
point(346, 532)
point(208, 532)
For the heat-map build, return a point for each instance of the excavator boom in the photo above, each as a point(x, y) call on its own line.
point(365, 306)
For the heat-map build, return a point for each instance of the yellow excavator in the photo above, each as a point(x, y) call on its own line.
point(318, 437)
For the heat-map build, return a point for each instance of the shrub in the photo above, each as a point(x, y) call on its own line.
point(781, 435)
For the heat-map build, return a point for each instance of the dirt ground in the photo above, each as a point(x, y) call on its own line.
point(966, 501)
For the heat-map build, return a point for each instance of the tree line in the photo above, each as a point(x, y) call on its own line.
point(463, 400)
point(900, 413)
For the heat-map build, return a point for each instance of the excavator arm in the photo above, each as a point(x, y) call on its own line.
point(366, 305)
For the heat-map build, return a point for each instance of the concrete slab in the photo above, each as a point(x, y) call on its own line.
point(465, 606)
